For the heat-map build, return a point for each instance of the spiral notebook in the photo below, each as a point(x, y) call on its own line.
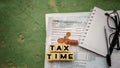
point(93, 38)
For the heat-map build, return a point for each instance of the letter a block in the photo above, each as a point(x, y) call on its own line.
point(59, 48)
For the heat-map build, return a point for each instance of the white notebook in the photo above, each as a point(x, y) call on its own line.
point(93, 38)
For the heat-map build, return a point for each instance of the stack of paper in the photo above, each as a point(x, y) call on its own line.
point(88, 29)
point(54, 30)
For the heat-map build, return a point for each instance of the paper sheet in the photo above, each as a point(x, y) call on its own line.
point(60, 23)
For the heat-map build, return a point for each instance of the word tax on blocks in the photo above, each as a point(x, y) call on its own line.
point(59, 51)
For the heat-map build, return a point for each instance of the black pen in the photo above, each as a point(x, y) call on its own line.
point(106, 39)
point(108, 58)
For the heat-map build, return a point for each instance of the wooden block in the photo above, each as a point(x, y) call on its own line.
point(60, 56)
point(66, 56)
point(66, 48)
point(49, 56)
point(63, 56)
point(55, 56)
point(59, 47)
point(52, 48)
point(71, 56)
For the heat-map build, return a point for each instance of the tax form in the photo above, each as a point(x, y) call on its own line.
point(57, 24)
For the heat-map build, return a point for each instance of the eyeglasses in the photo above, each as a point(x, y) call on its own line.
point(113, 22)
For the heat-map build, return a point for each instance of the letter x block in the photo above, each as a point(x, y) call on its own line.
point(66, 48)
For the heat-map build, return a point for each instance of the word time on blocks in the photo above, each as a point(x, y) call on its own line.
point(60, 56)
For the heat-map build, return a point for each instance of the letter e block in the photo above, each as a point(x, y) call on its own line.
point(70, 56)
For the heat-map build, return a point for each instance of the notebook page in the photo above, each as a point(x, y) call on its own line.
point(94, 36)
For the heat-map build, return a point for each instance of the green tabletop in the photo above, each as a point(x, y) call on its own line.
point(22, 27)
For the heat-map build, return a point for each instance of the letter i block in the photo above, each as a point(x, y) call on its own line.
point(52, 48)
point(70, 56)
point(55, 56)
point(63, 56)
point(59, 47)
point(49, 56)
point(66, 48)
